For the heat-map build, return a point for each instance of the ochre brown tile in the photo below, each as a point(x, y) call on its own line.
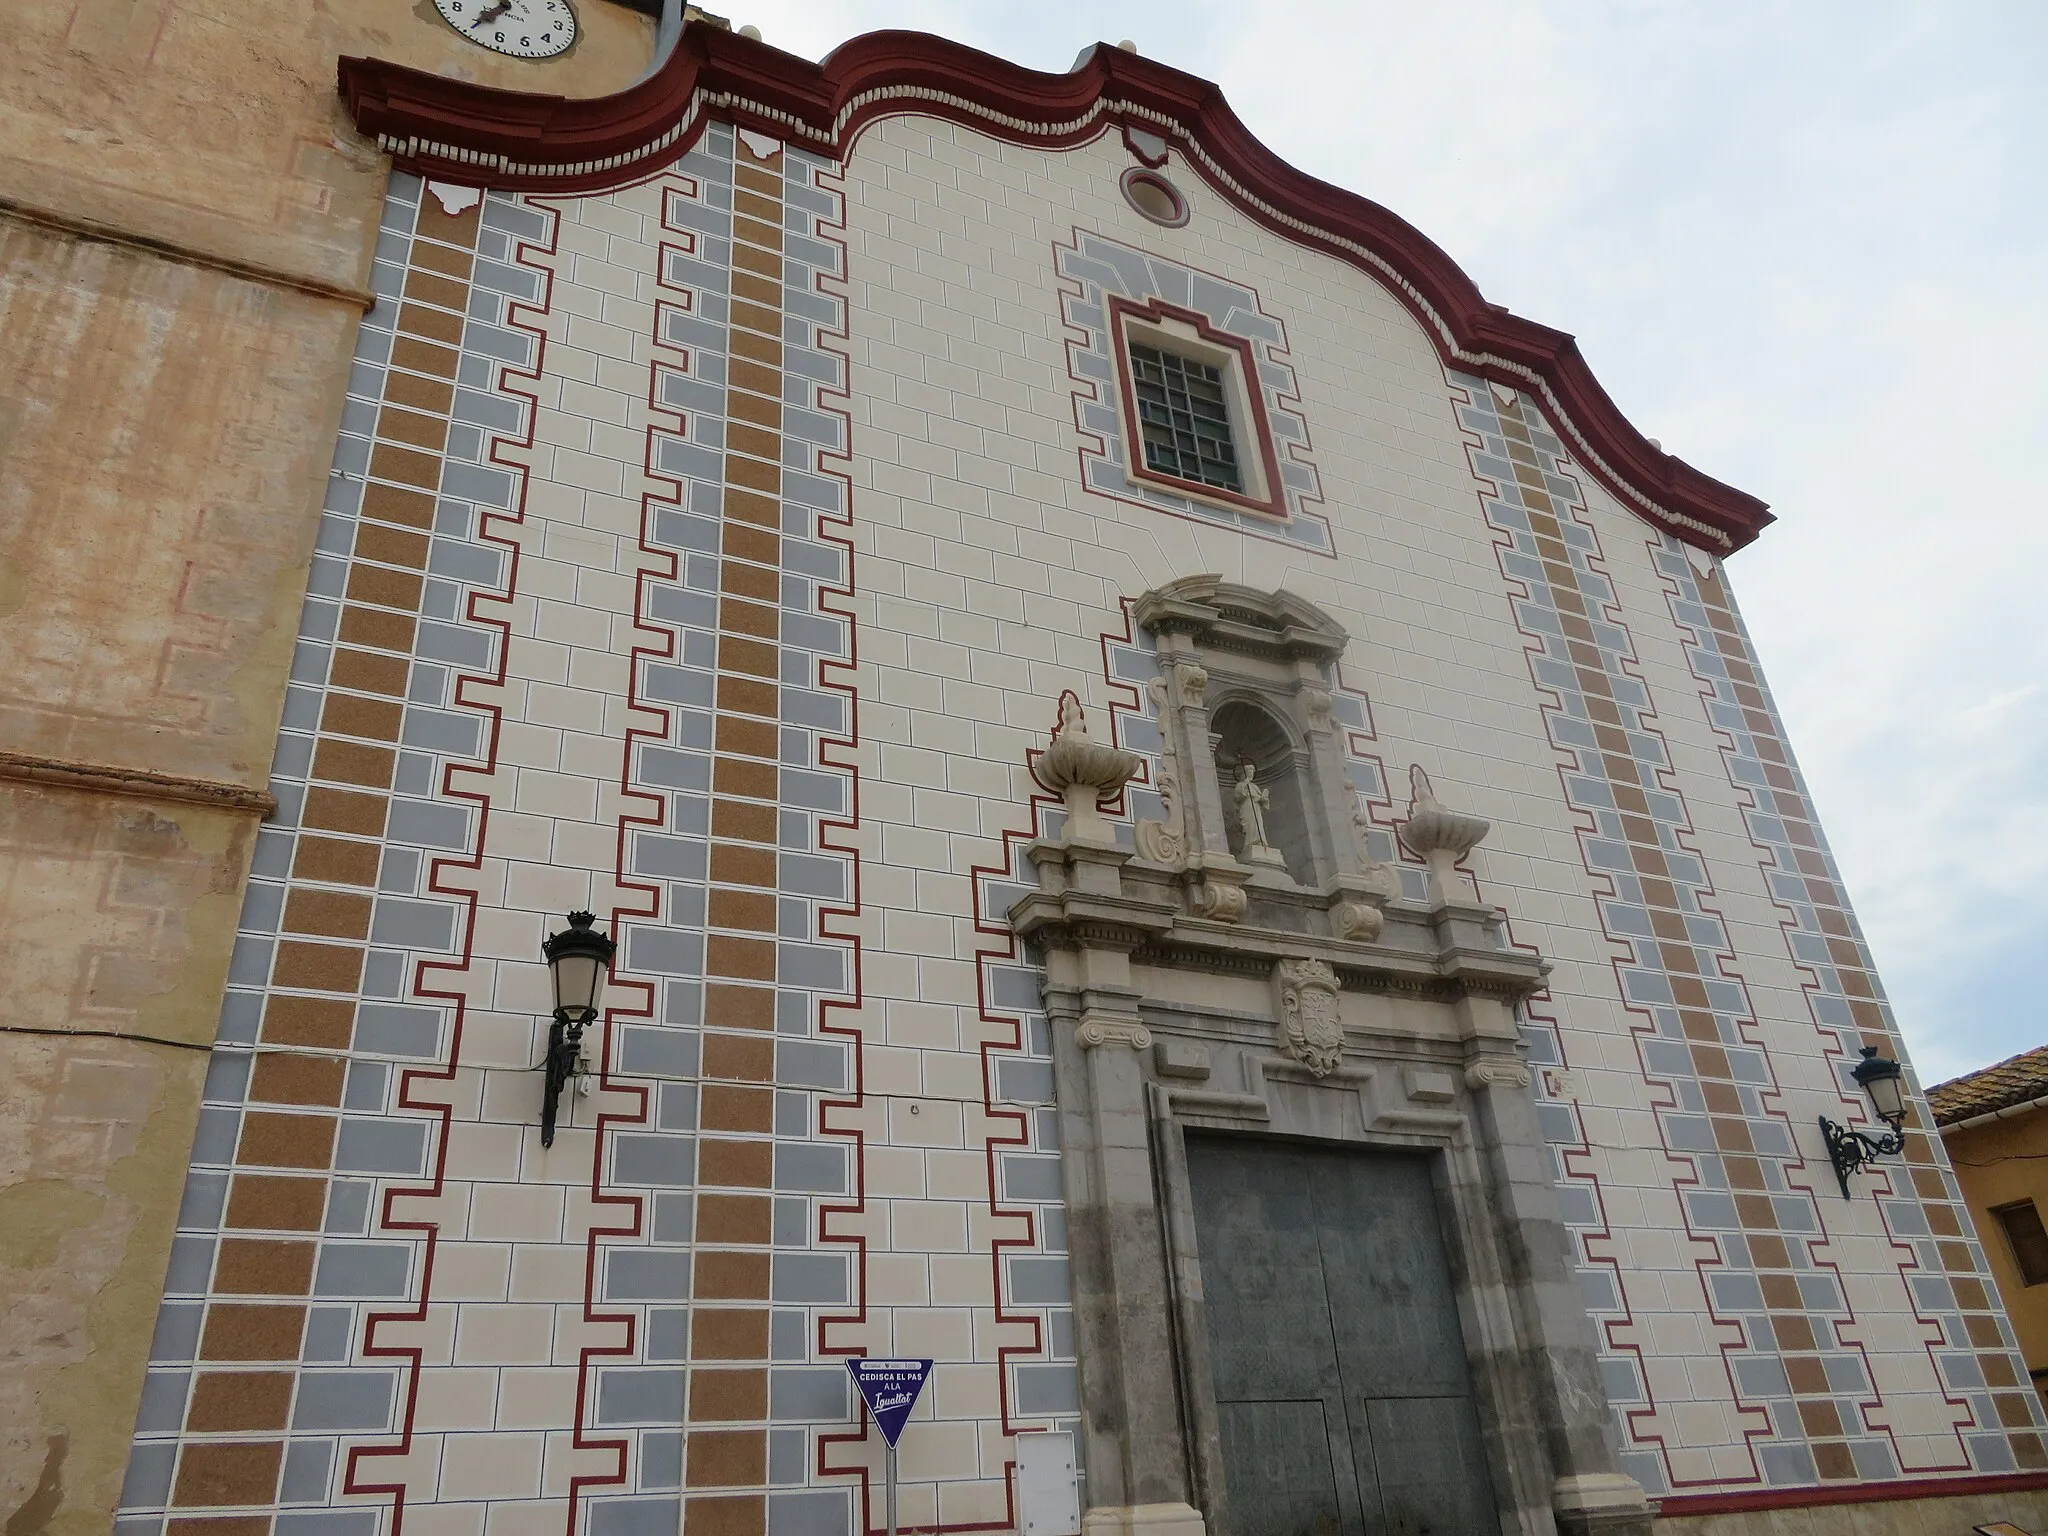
point(436, 223)
point(424, 394)
point(734, 1219)
point(729, 1107)
point(753, 473)
point(761, 444)
point(232, 1473)
point(746, 736)
point(754, 232)
point(752, 376)
point(748, 199)
point(320, 1022)
point(756, 544)
point(396, 504)
point(345, 810)
point(728, 1333)
point(333, 914)
point(431, 288)
point(273, 1140)
point(418, 320)
point(739, 1058)
point(760, 410)
point(386, 588)
point(743, 822)
point(438, 258)
point(368, 626)
point(737, 654)
point(261, 1266)
point(219, 1525)
point(743, 909)
point(392, 546)
point(727, 955)
point(318, 967)
point(735, 1514)
point(367, 672)
point(408, 466)
point(270, 1202)
point(740, 863)
point(424, 357)
point(718, 1458)
point(354, 762)
point(413, 428)
point(346, 714)
point(734, 1165)
point(761, 349)
point(252, 1331)
point(741, 616)
point(284, 1077)
point(746, 776)
point(728, 1396)
point(231, 1400)
point(746, 695)
point(335, 861)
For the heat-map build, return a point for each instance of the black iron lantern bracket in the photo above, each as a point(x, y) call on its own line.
point(1850, 1150)
point(578, 958)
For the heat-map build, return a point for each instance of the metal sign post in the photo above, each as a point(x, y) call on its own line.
point(890, 1388)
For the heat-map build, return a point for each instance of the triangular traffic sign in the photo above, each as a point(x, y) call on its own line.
point(890, 1389)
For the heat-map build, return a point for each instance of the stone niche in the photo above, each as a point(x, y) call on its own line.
point(1249, 968)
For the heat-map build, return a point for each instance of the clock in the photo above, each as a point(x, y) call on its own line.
point(525, 29)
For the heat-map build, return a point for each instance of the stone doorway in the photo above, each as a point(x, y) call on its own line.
point(1343, 1392)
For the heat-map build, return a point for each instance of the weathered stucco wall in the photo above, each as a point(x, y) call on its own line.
point(2001, 1164)
point(185, 216)
point(214, 124)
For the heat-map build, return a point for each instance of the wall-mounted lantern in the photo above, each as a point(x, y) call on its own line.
point(579, 957)
point(1884, 1082)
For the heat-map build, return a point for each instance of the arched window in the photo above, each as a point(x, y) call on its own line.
point(1268, 802)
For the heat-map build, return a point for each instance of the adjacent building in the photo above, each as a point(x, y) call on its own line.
point(1192, 830)
point(1997, 1143)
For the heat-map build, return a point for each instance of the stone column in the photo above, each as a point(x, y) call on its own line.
point(1137, 1465)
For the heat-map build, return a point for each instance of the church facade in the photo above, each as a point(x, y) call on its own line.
point(1192, 832)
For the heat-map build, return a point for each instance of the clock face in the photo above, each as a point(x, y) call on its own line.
point(525, 29)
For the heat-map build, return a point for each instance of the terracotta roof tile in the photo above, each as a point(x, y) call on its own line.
point(2011, 1082)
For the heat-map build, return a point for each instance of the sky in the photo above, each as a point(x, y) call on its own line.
point(1805, 247)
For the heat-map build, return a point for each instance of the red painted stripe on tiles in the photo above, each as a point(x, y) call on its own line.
point(1892, 1491)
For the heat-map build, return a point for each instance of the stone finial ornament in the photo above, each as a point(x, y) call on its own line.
point(1440, 835)
point(1082, 771)
point(1306, 995)
point(1165, 841)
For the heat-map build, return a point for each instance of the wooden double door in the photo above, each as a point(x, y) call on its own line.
point(1342, 1388)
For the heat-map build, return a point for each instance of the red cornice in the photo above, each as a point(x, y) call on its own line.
point(455, 131)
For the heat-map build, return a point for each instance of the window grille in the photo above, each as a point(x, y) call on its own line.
point(1183, 418)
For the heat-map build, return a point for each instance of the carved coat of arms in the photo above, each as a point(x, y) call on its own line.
point(1309, 1028)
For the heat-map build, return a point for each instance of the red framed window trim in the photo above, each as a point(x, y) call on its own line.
point(1258, 430)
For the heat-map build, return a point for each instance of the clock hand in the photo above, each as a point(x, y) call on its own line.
point(492, 14)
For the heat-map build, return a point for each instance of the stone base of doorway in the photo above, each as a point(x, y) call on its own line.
point(1601, 1504)
point(1142, 1520)
point(1887, 1509)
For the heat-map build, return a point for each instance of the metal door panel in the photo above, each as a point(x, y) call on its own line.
point(1342, 1388)
point(1431, 1467)
point(1283, 1480)
point(1389, 1278)
point(1270, 1335)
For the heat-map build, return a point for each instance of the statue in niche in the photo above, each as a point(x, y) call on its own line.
point(1253, 801)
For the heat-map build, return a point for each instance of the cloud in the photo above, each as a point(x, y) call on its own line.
point(1801, 246)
